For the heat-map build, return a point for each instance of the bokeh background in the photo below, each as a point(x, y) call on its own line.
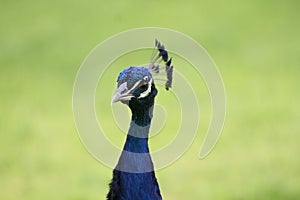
point(255, 44)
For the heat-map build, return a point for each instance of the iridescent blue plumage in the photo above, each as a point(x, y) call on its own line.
point(133, 176)
point(132, 74)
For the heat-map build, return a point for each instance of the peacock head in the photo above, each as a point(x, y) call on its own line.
point(135, 84)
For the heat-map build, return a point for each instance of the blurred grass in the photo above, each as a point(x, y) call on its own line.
point(255, 45)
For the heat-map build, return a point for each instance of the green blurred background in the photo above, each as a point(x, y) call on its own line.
point(255, 44)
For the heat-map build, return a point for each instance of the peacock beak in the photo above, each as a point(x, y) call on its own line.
point(122, 94)
point(119, 97)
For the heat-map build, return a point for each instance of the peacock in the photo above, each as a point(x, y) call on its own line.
point(134, 177)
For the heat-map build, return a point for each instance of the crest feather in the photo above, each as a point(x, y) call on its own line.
point(160, 54)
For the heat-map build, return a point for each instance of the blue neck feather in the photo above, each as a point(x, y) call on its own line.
point(137, 139)
point(135, 157)
point(133, 177)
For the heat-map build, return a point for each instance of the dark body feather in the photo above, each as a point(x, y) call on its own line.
point(139, 186)
point(133, 177)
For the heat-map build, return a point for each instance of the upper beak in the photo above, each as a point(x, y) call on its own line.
point(121, 94)
point(116, 98)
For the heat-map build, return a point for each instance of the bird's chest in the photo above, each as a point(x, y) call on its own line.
point(139, 186)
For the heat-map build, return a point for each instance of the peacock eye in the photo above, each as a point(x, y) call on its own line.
point(143, 88)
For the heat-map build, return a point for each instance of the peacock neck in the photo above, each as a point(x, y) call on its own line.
point(141, 115)
point(135, 157)
point(134, 176)
point(137, 137)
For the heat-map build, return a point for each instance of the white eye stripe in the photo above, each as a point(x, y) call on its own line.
point(126, 94)
point(134, 86)
point(145, 93)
